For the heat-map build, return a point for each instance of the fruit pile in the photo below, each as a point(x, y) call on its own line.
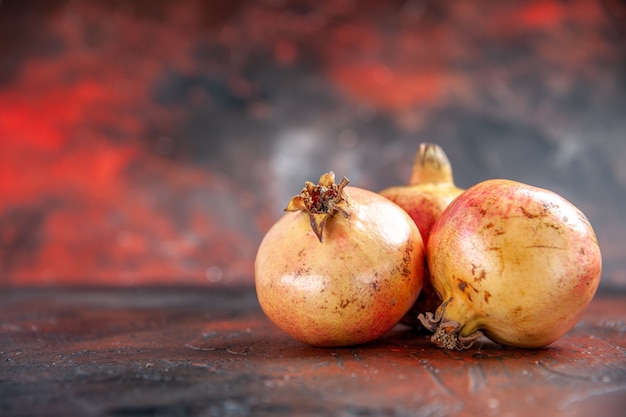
point(505, 260)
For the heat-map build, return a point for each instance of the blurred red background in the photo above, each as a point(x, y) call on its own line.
point(154, 142)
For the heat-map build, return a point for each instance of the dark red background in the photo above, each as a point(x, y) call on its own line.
point(154, 142)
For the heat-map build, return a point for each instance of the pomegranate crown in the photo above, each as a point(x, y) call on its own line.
point(431, 165)
point(321, 201)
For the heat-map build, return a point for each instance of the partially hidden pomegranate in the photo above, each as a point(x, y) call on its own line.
point(341, 267)
point(429, 192)
point(515, 262)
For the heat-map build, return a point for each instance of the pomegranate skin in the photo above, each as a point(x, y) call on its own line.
point(424, 204)
point(517, 262)
point(349, 288)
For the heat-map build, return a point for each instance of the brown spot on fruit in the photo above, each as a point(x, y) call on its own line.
point(487, 296)
point(528, 214)
point(462, 285)
point(480, 277)
point(405, 268)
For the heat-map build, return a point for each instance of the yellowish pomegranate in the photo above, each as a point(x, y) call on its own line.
point(341, 267)
point(515, 262)
point(430, 189)
point(429, 192)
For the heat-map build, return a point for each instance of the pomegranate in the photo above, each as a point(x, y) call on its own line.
point(515, 262)
point(430, 189)
point(341, 267)
point(428, 193)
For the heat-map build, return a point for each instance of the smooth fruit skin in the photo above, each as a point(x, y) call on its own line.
point(423, 203)
point(348, 289)
point(518, 262)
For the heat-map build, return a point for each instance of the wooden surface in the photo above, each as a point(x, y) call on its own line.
point(154, 352)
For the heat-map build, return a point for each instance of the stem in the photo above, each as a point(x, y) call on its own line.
point(448, 333)
point(431, 166)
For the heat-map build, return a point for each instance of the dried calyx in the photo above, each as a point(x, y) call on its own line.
point(447, 333)
point(321, 201)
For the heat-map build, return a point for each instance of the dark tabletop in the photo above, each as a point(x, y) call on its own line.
point(212, 352)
